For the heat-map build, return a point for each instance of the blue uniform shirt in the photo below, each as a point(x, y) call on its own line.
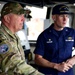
point(55, 48)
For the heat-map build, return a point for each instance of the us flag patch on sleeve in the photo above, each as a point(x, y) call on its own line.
point(3, 48)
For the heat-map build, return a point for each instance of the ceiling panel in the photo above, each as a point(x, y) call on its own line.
point(40, 3)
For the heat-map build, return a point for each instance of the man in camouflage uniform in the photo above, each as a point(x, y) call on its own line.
point(12, 60)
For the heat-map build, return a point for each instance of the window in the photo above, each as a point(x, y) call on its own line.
point(36, 24)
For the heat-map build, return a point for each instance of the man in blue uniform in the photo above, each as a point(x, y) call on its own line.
point(53, 52)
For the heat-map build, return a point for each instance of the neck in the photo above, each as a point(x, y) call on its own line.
point(58, 28)
point(9, 27)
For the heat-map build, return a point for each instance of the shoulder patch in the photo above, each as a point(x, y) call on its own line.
point(3, 48)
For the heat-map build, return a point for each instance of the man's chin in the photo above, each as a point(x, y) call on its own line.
point(20, 29)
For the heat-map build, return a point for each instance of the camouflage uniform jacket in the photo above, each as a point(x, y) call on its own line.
point(12, 60)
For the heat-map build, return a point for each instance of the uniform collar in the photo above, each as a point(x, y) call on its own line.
point(8, 31)
point(51, 29)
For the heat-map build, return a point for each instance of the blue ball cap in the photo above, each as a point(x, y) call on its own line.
point(60, 9)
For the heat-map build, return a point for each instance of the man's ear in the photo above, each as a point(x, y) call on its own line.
point(7, 18)
point(53, 17)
